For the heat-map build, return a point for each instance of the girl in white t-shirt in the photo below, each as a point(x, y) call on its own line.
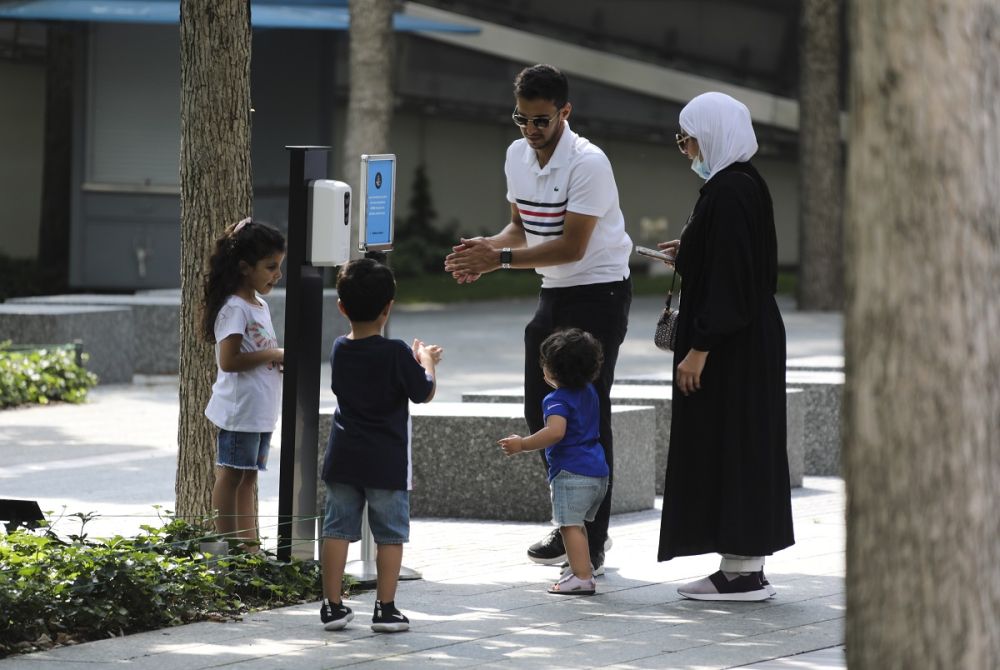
point(246, 396)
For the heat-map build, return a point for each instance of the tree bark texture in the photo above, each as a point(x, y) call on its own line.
point(216, 190)
point(370, 93)
point(922, 405)
point(821, 169)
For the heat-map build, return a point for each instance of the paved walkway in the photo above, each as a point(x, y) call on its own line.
point(480, 602)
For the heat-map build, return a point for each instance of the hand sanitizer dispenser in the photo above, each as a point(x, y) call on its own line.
point(329, 239)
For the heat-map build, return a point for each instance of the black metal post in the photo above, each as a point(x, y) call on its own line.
point(303, 339)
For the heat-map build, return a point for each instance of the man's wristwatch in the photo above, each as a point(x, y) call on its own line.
point(506, 258)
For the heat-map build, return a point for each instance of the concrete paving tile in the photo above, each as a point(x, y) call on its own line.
point(120, 648)
point(218, 654)
point(541, 663)
point(832, 658)
point(138, 644)
point(615, 626)
point(729, 617)
point(466, 630)
point(748, 632)
point(586, 653)
point(639, 595)
point(740, 652)
point(425, 661)
point(345, 653)
point(33, 662)
point(382, 645)
point(479, 651)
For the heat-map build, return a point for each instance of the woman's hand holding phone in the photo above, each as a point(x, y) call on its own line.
point(670, 248)
point(665, 254)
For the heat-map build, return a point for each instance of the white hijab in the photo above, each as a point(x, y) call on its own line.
point(722, 126)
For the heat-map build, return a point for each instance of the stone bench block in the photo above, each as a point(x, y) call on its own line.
point(795, 419)
point(823, 393)
point(816, 363)
point(107, 333)
point(156, 325)
point(660, 397)
point(459, 470)
point(649, 379)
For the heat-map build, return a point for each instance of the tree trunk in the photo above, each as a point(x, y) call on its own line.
point(922, 405)
point(821, 170)
point(54, 226)
point(216, 189)
point(370, 102)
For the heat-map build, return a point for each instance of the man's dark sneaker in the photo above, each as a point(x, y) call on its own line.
point(334, 615)
point(745, 587)
point(767, 585)
point(388, 619)
point(597, 563)
point(549, 550)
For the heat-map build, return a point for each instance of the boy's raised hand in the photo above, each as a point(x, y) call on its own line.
point(431, 351)
point(511, 444)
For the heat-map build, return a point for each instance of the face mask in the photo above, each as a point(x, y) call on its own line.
point(700, 168)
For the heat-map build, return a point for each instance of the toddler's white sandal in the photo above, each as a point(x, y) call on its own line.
point(571, 585)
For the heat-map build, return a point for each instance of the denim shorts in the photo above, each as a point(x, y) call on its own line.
point(388, 513)
point(243, 451)
point(576, 498)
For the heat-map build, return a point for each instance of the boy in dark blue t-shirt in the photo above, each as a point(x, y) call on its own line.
point(368, 453)
point(578, 471)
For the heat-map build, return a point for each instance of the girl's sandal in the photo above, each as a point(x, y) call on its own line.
point(571, 585)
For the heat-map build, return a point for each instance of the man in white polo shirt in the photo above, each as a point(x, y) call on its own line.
point(565, 224)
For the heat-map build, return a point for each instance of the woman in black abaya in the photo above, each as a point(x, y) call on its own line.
point(726, 489)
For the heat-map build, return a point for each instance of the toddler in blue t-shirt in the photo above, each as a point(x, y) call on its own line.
point(578, 473)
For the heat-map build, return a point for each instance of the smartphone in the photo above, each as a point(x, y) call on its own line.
point(653, 253)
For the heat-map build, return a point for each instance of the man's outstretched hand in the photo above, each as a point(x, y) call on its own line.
point(470, 259)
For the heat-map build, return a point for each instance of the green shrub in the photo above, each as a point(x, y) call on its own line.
point(41, 375)
point(55, 591)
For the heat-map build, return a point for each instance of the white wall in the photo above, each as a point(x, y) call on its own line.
point(464, 163)
point(22, 132)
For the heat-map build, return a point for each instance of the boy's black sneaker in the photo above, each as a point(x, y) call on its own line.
point(388, 619)
point(334, 616)
point(549, 550)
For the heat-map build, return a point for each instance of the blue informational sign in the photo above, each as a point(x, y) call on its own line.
point(378, 180)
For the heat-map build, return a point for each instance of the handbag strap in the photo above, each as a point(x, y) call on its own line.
point(670, 293)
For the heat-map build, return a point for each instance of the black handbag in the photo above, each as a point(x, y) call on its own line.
point(665, 335)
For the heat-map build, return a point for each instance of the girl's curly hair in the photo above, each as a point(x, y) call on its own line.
point(248, 241)
point(573, 357)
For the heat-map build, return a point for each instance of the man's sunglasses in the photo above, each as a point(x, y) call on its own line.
point(540, 122)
